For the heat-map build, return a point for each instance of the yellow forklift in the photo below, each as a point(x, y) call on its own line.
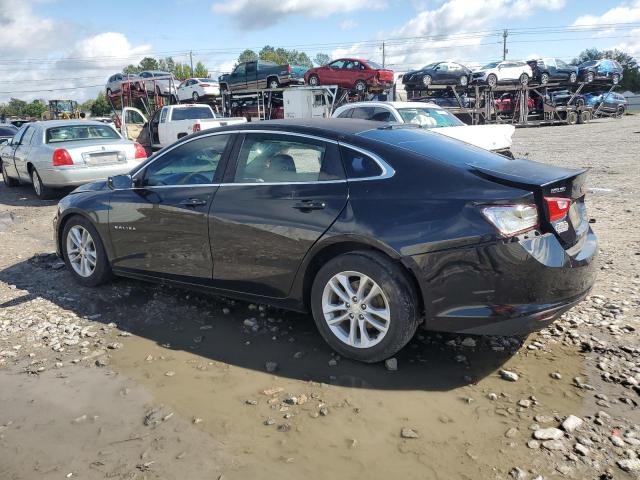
point(61, 110)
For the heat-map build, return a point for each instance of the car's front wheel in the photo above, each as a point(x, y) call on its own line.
point(573, 78)
point(544, 78)
point(365, 306)
point(360, 86)
point(524, 79)
point(615, 79)
point(83, 252)
point(464, 81)
point(492, 80)
point(195, 96)
point(314, 80)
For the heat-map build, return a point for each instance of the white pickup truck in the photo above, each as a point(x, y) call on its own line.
point(170, 123)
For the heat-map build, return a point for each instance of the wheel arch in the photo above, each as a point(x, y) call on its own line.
point(68, 215)
point(335, 246)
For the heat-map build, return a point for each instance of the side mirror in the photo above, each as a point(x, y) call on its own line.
point(120, 182)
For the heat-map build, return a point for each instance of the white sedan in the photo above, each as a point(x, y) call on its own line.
point(496, 138)
point(193, 89)
point(505, 71)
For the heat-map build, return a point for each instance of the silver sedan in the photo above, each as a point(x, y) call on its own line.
point(64, 153)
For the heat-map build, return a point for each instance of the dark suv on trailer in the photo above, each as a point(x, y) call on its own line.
point(371, 227)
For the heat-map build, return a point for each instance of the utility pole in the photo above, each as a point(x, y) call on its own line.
point(505, 33)
point(191, 61)
point(383, 55)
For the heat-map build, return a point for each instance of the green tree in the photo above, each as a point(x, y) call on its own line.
point(129, 69)
point(200, 71)
point(181, 71)
point(148, 63)
point(100, 106)
point(34, 109)
point(321, 59)
point(14, 107)
point(247, 56)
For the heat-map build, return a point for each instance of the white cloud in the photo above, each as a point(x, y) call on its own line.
point(21, 29)
point(620, 14)
point(258, 14)
point(348, 24)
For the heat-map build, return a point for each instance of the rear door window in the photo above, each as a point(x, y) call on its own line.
point(359, 165)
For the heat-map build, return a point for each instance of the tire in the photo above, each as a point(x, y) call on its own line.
point(589, 77)
point(40, 189)
point(8, 181)
point(524, 79)
point(399, 295)
point(492, 80)
point(615, 79)
point(573, 78)
point(101, 269)
point(572, 118)
point(273, 83)
point(584, 117)
point(314, 80)
point(360, 86)
point(544, 78)
point(426, 80)
point(619, 112)
point(464, 81)
point(195, 96)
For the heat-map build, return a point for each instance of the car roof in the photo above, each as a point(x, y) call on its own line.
point(64, 123)
point(330, 128)
point(376, 103)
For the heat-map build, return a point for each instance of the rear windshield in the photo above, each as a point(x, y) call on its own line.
point(438, 147)
point(192, 113)
point(8, 131)
point(429, 117)
point(374, 65)
point(70, 133)
point(589, 63)
point(491, 65)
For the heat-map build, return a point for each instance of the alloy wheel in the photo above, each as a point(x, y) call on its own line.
point(314, 81)
point(356, 309)
point(572, 78)
point(37, 184)
point(195, 96)
point(81, 251)
point(464, 81)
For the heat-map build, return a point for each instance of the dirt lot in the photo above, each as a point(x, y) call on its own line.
point(132, 380)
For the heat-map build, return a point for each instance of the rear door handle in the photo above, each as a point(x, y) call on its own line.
point(309, 205)
point(193, 202)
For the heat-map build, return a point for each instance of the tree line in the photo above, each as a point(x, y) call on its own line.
point(181, 71)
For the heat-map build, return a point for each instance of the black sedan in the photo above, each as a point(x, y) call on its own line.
point(371, 228)
point(605, 70)
point(439, 73)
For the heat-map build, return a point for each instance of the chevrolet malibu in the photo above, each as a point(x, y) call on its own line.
point(65, 153)
point(373, 228)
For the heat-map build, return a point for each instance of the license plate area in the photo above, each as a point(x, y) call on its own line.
point(103, 158)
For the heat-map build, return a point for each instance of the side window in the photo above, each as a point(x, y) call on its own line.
point(382, 115)
point(347, 113)
point(240, 69)
point(274, 158)
point(337, 64)
point(192, 163)
point(251, 67)
point(163, 115)
point(28, 135)
point(358, 165)
point(362, 113)
point(17, 138)
point(132, 117)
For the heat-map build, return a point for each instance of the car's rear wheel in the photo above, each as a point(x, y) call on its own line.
point(83, 252)
point(273, 83)
point(360, 86)
point(314, 80)
point(492, 80)
point(572, 118)
point(195, 96)
point(8, 181)
point(464, 80)
point(589, 77)
point(584, 117)
point(573, 78)
point(524, 79)
point(39, 188)
point(365, 306)
point(544, 78)
point(619, 112)
point(426, 80)
point(615, 79)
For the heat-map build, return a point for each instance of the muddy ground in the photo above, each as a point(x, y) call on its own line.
point(137, 381)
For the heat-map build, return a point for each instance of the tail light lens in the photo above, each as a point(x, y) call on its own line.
point(288, 68)
point(558, 207)
point(512, 220)
point(61, 157)
point(205, 85)
point(140, 151)
point(196, 127)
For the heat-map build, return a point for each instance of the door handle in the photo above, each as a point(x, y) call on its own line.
point(307, 205)
point(193, 202)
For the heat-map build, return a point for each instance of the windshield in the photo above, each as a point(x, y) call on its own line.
point(71, 133)
point(429, 66)
point(206, 80)
point(429, 117)
point(491, 65)
point(192, 113)
point(375, 65)
point(589, 63)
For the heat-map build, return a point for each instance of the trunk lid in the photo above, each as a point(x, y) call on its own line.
point(489, 137)
point(547, 182)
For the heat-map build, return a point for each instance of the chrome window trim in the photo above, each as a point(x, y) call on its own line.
point(387, 170)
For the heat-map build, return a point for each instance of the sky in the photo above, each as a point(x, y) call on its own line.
point(53, 49)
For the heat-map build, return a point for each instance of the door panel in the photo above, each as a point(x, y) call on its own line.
point(263, 225)
point(21, 153)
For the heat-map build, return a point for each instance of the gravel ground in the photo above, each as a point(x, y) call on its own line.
point(132, 380)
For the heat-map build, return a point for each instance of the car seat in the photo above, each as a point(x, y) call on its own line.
point(280, 167)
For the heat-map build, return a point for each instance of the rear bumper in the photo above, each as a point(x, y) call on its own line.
point(76, 176)
point(505, 288)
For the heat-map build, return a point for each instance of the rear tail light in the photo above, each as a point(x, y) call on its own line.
point(196, 127)
point(512, 220)
point(288, 68)
point(558, 207)
point(140, 151)
point(205, 85)
point(61, 157)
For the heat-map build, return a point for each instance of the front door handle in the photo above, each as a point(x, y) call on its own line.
point(193, 202)
point(307, 205)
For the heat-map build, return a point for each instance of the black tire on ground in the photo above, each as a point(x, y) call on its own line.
point(273, 82)
point(620, 112)
point(544, 78)
point(102, 272)
point(40, 189)
point(8, 181)
point(492, 80)
point(360, 86)
point(397, 287)
point(314, 80)
point(584, 117)
point(572, 118)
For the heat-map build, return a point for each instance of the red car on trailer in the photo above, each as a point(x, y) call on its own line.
point(352, 73)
